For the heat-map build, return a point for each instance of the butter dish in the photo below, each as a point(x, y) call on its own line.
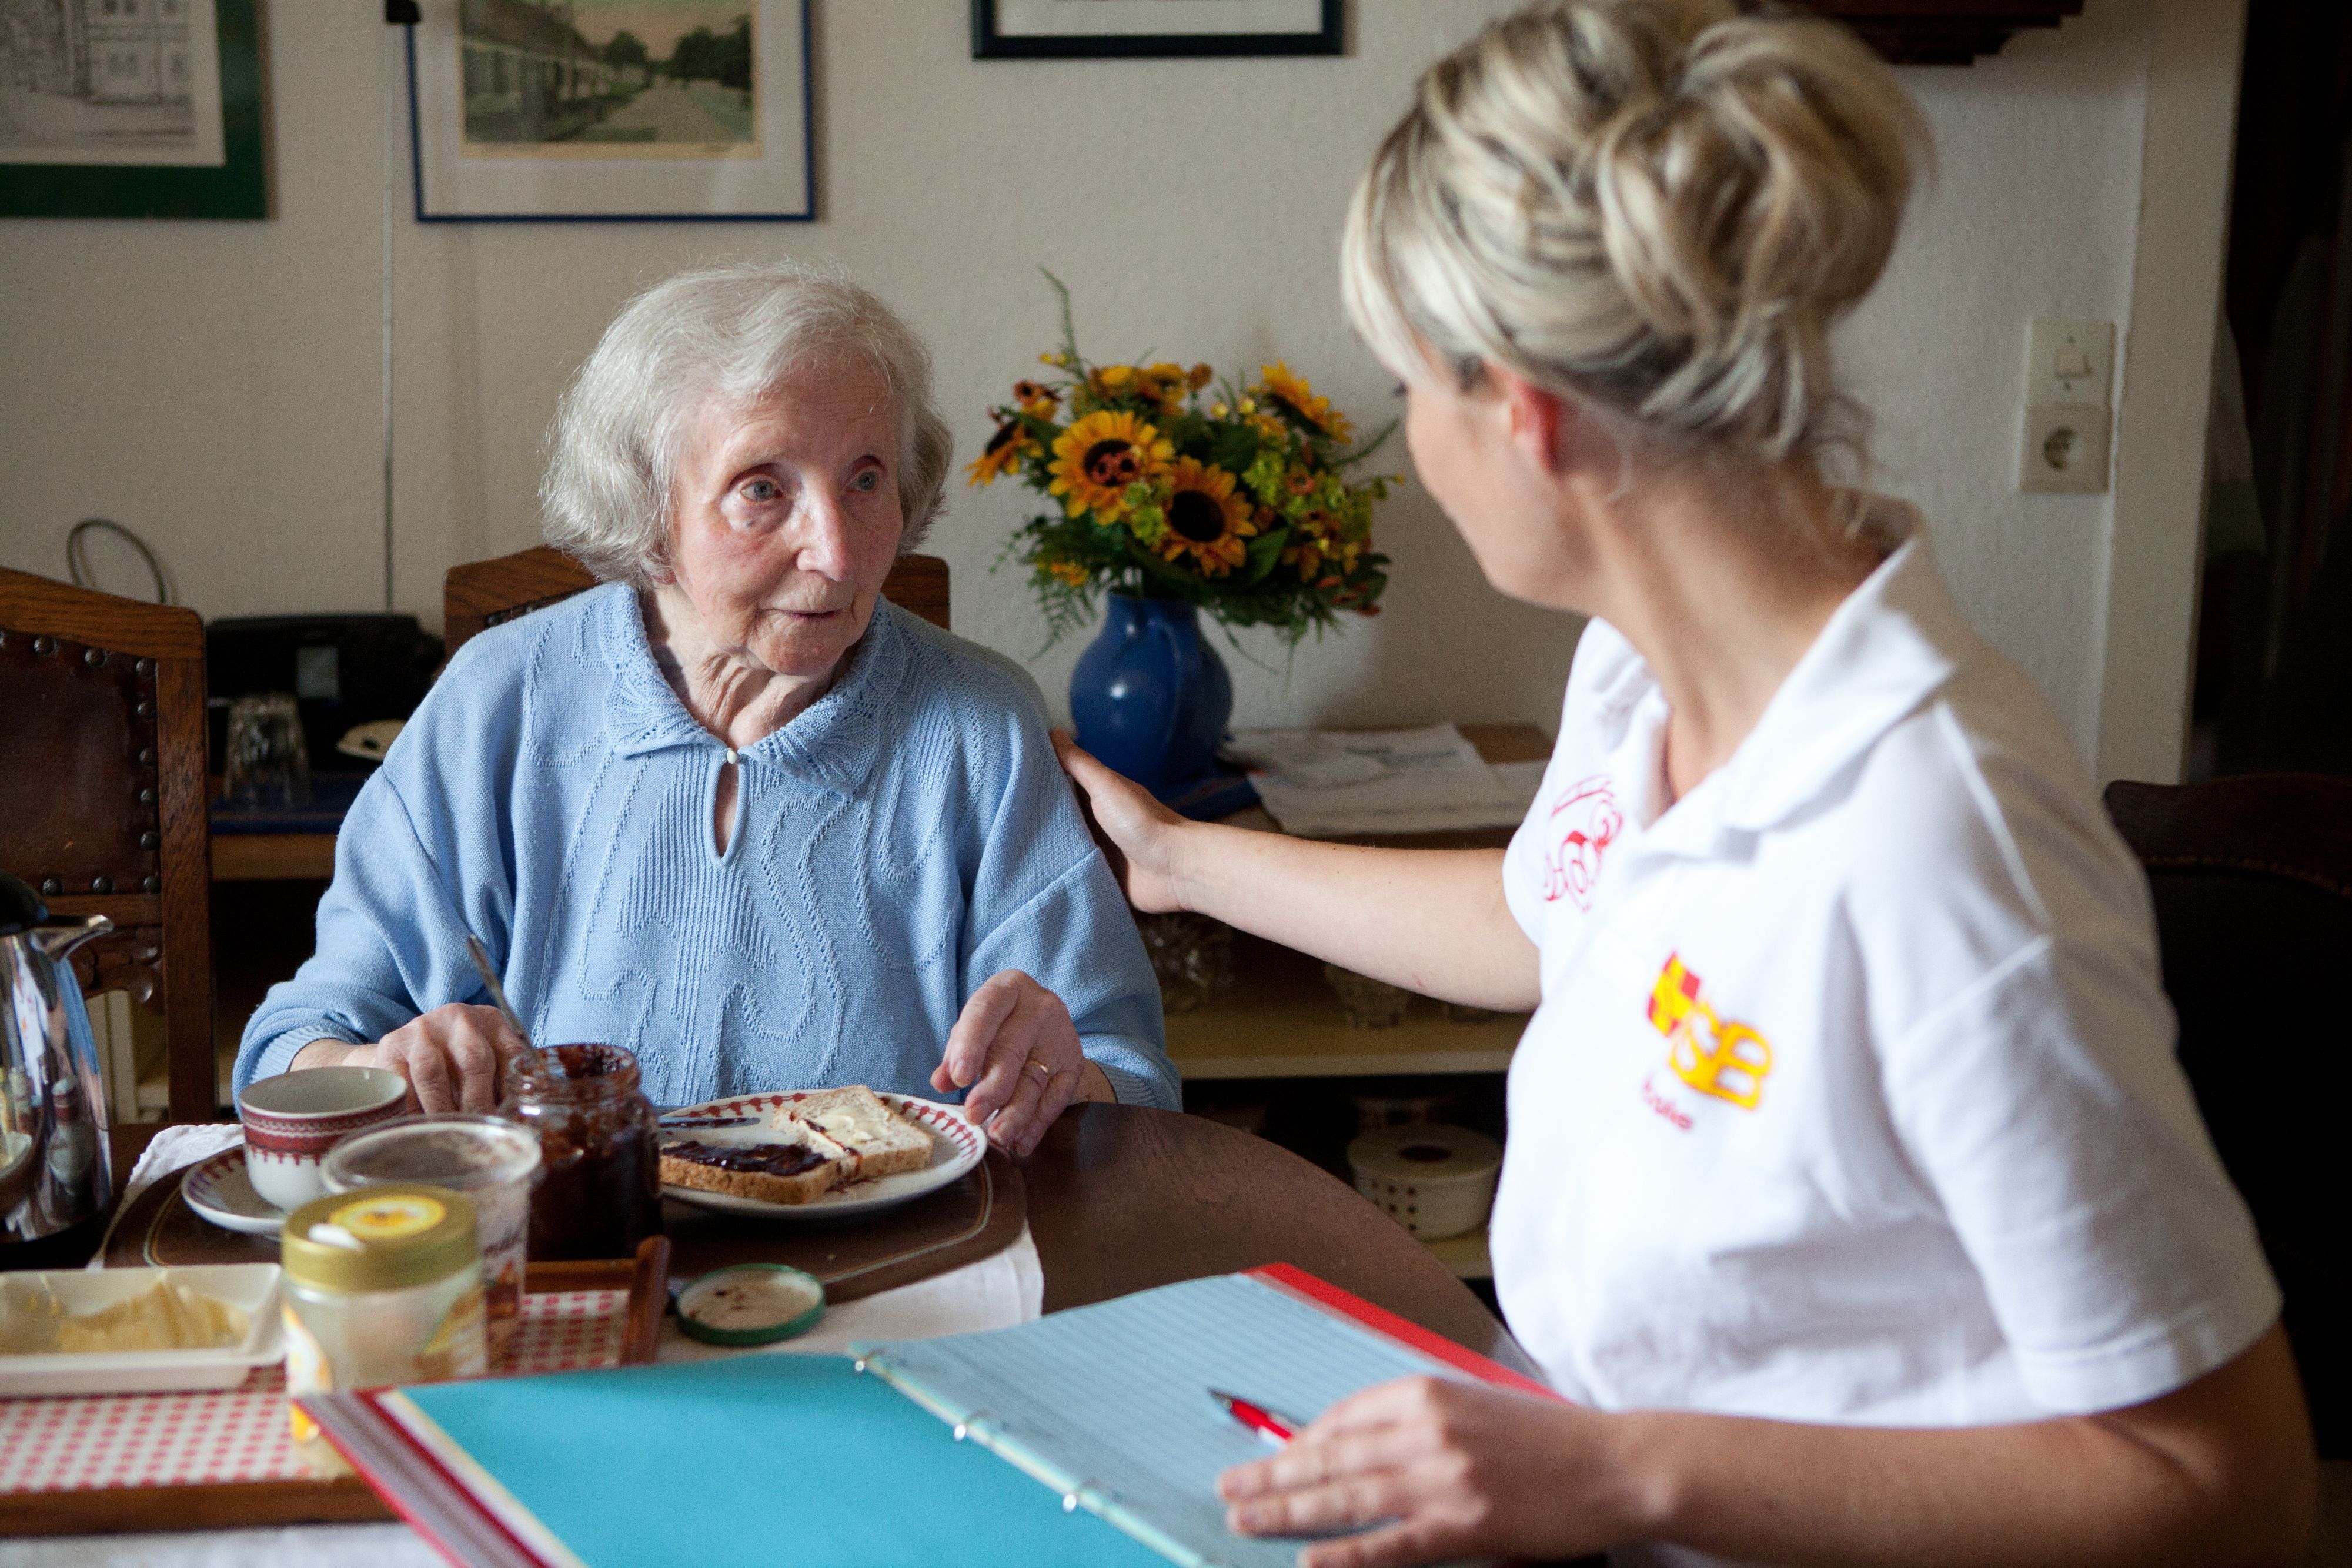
point(27, 1317)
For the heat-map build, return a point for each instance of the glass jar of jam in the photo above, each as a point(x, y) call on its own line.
point(601, 1193)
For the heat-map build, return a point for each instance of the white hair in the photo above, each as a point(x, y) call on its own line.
point(1657, 207)
point(733, 333)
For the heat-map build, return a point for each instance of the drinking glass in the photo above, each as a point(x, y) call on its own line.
point(269, 766)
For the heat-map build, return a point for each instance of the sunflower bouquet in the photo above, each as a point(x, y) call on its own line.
point(1242, 507)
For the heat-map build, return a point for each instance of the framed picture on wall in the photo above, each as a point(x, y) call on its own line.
point(1067, 29)
point(130, 108)
point(611, 111)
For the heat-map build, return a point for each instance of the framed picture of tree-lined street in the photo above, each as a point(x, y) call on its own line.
point(610, 110)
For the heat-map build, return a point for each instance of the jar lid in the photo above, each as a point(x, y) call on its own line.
point(750, 1303)
point(379, 1238)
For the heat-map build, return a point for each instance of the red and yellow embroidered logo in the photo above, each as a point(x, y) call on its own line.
point(1728, 1061)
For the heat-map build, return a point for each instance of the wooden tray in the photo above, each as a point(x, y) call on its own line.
point(230, 1504)
point(973, 1217)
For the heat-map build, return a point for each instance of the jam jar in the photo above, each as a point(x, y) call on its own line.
point(600, 1191)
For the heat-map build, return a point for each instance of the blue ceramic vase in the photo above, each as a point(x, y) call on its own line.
point(1150, 696)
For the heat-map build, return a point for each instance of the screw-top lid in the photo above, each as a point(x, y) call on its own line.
point(21, 908)
point(379, 1238)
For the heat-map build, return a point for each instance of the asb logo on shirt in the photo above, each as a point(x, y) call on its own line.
point(1584, 822)
point(1728, 1061)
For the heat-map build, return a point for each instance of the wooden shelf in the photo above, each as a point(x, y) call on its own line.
point(273, 857)
point(1465, 1255)
point(1282, 1020)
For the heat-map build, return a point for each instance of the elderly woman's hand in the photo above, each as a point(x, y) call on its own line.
point(1016, 1051)
point(450, 1056)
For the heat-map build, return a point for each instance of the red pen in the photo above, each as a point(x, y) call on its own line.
point(1275, 1430)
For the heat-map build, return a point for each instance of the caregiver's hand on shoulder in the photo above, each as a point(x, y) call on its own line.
point(1461, 1470)
point(450, 1056)
point(1015, 1049)
point(1136, 833)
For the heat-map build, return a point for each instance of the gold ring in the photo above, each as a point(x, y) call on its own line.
point(1044, 1073)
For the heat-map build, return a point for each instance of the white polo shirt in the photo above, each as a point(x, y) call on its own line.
point(1852, 1097)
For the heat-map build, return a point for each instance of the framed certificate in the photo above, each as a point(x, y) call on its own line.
point(606, 110)
point(1066, 29)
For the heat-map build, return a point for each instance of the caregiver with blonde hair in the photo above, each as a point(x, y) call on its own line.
point(1854, 1199)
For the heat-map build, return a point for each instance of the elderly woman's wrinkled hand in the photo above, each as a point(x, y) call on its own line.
point(1016, 1052)
point(450, 1057)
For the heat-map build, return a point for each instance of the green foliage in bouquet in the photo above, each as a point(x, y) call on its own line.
point(1241, 507)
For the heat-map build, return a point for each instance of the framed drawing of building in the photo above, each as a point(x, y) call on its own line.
point(130, 108)
point(1068, 30)
point(581, 110)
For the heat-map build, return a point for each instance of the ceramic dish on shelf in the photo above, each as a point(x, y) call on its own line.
point(956, 1146)
point(220, 1190)
point(250, 1287)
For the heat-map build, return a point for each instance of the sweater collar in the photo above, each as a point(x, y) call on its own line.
point(831, 743)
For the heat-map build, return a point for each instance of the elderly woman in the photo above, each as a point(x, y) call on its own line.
point(732, 810)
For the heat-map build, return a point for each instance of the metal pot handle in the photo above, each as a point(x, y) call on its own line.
point(58, 940)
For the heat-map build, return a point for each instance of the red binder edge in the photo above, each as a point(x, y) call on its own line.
point(441, 1506)
point(1297, 1281)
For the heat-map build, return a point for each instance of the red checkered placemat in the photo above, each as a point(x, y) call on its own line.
point(103, 1441)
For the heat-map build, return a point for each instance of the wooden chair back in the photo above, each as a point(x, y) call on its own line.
point(484, 593)
point(102, 800)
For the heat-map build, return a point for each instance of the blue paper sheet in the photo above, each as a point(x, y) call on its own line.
point(756, 1461)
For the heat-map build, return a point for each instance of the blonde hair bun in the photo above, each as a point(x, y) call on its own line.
point(1659, 205)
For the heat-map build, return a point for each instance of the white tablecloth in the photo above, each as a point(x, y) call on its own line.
point(995, 1293)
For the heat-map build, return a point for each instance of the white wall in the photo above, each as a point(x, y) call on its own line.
point(215, 385)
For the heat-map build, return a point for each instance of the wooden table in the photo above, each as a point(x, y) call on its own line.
point(1122, 1199)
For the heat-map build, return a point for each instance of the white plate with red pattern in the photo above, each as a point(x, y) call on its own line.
point(956, 1147)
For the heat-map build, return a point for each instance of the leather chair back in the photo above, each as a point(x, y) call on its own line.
point(2253, 882)
point(103, 800)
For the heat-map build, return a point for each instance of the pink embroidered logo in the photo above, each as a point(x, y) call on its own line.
point(1585, 822)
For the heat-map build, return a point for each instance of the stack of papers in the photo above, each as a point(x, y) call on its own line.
point(1321, 784)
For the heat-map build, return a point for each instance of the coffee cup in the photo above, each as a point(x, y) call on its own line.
point(292, 1120)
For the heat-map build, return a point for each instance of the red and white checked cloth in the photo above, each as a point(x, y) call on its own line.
point(103, 1441)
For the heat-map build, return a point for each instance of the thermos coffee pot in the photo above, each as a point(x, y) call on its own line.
point(54, 1172)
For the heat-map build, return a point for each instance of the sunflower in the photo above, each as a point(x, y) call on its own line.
point(1205, 519)
point(1293, 392)
point(1165, 384)
point(1036, 399)
point(1099, 456)
point(1004, 449)
point(1068, 571)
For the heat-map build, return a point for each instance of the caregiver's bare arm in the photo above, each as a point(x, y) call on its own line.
point(1432, 921)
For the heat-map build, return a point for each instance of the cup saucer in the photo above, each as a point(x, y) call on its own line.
point(220, 1190)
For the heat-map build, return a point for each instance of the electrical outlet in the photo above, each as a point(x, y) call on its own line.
point(2066, 449)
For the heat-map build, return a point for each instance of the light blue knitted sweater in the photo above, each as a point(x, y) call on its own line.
point(903, 838)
